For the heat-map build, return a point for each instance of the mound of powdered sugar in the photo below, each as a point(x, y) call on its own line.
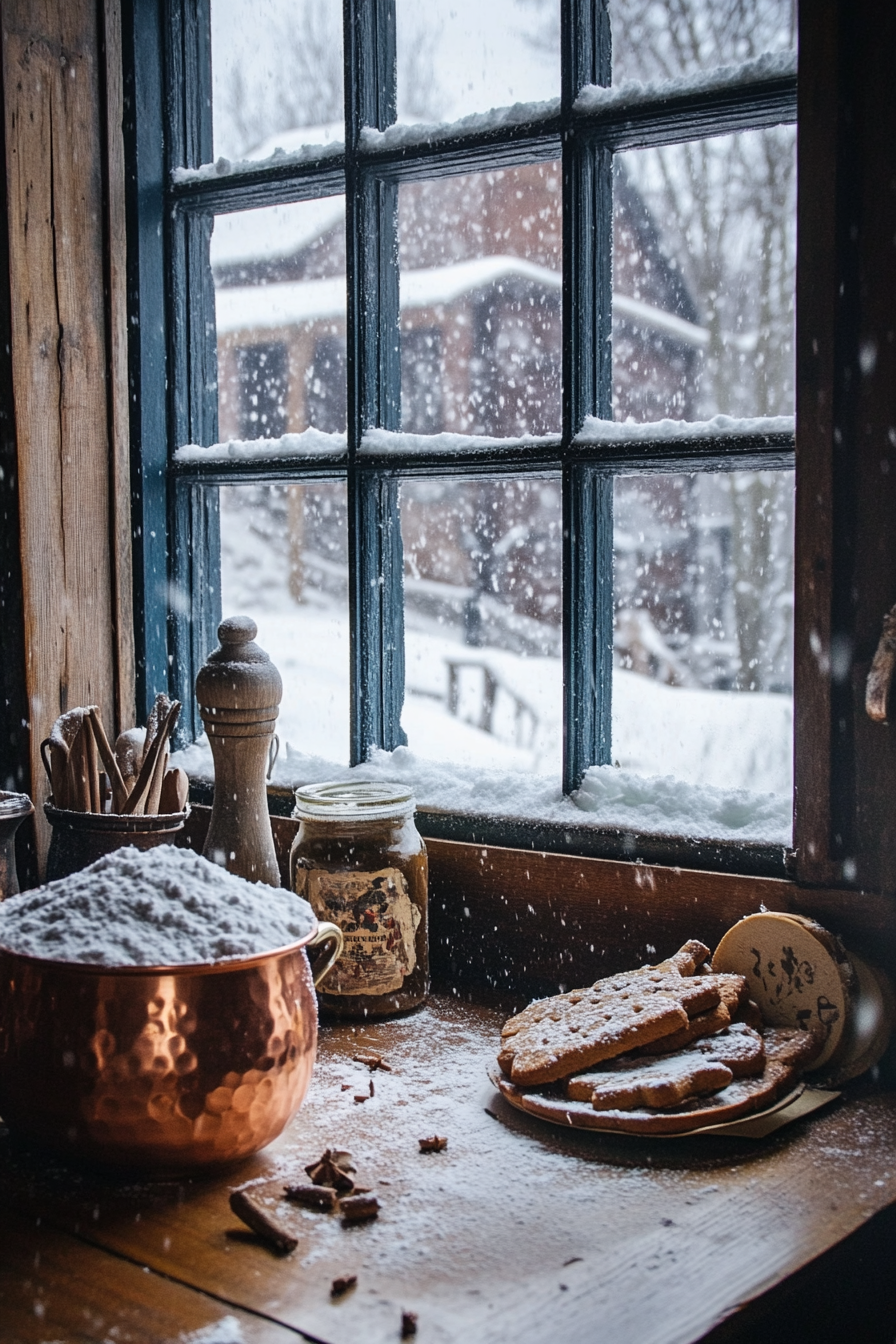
point(159, 907)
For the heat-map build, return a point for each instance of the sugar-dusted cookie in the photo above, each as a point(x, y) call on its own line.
point(704, 1024)
point(667, 1081)
point(688, 959)
point(788, 1051)
point(606, 1020)
point(739, 1047)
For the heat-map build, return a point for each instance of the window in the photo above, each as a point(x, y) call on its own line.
point(479, 331)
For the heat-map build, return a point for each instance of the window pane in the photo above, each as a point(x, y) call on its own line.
point(703, 636)
point(655, 41)
point(704, 274)
point(469, 57)
point(482, 622)
point(284, 562)
point(280, 310)
point(480, 259)
point(276, 75)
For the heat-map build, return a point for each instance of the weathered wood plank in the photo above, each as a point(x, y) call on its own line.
point(54, 1286)
point(54, 175)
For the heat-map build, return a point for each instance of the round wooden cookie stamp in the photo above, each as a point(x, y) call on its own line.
point(796, 971)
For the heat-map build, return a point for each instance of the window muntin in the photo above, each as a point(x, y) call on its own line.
point(589, 130)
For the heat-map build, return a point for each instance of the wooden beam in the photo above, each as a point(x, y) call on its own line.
point(54, 154)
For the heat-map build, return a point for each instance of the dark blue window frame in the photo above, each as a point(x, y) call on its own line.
point(173, 369)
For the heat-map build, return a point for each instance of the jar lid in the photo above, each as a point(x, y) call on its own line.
point(357, 800)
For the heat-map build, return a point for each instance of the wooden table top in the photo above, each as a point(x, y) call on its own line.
point(518, 1231)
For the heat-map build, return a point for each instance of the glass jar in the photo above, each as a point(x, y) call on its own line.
point(360, 862)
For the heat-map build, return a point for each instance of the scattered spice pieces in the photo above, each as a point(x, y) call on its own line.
point(334, 1168)
point(356, 1208)
point(408, 1324)
point(362, 1096)
point(434, 1144)
point(262, 1224)
point(312, 1196)
point(371, 1087)
point(573, 1260)
point(342, 1284)
point(488, 1112)
point(372, 1060)
point(346, 1087)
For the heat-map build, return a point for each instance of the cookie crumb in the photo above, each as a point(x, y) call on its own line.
point(408, 1324)
point(342, 1284)
point(434, 1144)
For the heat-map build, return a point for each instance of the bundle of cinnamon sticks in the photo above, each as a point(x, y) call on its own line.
point(87, 775)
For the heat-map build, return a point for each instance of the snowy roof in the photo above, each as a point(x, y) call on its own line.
point(288, 303)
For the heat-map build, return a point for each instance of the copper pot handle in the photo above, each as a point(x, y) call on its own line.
point(881, 674)
point(324, 933)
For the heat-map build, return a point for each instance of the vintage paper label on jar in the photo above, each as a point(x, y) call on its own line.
point(378, 921)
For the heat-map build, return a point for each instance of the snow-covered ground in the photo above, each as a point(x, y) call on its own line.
point(699, 762)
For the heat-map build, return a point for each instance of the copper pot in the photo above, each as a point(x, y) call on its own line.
point(163, 1068)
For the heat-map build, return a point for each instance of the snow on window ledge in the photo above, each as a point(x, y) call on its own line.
point(720, 427)
point(406, 135)
point(279, 158)
point(633, 93)
point(310, 443)
point(386, 442)
point(609, 798)
point(418, 135)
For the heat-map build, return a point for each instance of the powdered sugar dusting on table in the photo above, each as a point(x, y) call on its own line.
point(159, 907)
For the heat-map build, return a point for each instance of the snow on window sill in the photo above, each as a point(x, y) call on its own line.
point(720, 427)
point(610, 799)
point(634, 93)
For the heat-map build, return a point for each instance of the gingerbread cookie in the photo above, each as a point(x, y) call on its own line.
point(592, 1025)
point(650, 1082)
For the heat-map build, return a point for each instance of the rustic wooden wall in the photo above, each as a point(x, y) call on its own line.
point(71, 438)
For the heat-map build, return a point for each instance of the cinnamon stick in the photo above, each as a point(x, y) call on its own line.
point(261, 1223)
point(312, 1196)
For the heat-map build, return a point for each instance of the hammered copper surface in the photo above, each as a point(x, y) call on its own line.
point(167, 1069)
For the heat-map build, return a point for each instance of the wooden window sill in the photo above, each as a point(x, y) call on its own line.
point(517, 1232)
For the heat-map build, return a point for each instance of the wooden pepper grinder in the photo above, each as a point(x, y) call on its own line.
point(239, 690)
